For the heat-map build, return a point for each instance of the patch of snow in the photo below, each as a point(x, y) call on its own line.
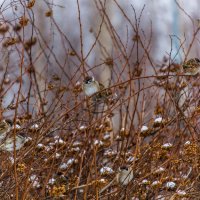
point(170, 185)
point(106, 170)
point(144, 128)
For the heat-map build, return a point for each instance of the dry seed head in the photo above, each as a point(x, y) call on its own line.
point(17, 27)
point(30, 4)
point(72, 53)
point(30, 42)
point(163, 154)
point(137, 71)
point(10, 41)
point(3, 28)
point(58, 190)
point(124, 132)
point(191, 150)
point(176, 161)
point(49, 13)
point(23, 21)
point(183, 85)
point(28, 116)
point(50, 86)
point(158, 122)
point(55, 77)
point(109, 61)
point(136, 38)
point(197, 110)
point(158, 110)
point(21, 167)
point(77, 88)
point(62, 89)
point(101, 182)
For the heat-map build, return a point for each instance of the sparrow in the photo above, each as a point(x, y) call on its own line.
point(7, 141)
point(191, 67)
point(123, 177)
point(91, 87)
point(8, 144)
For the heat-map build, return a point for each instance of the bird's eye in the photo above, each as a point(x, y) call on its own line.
point(88, 79)
point(124, 168)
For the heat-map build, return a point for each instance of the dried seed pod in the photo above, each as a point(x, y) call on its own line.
point(17, 27)
point(72, 53)
point(55, 77)
point(30, 4)
point(3, 28)
point(23, 21)
point(136, 38)
point(10, 41)
point(49, 13)
point(158, 110)
point(30, 42)
point(124, 132)
point(109, 61)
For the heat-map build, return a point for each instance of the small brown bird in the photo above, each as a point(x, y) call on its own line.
point(191, 67)
point(6, 138)
point(91, 87)
point(8, 144)
point(123, 177)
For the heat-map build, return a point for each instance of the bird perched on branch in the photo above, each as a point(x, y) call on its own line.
point(94, 89)
point(6, 138)
point(191, 67)
point(123, 177)
point(8, 144)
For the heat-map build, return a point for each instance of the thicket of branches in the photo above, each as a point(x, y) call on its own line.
point(149, 124)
